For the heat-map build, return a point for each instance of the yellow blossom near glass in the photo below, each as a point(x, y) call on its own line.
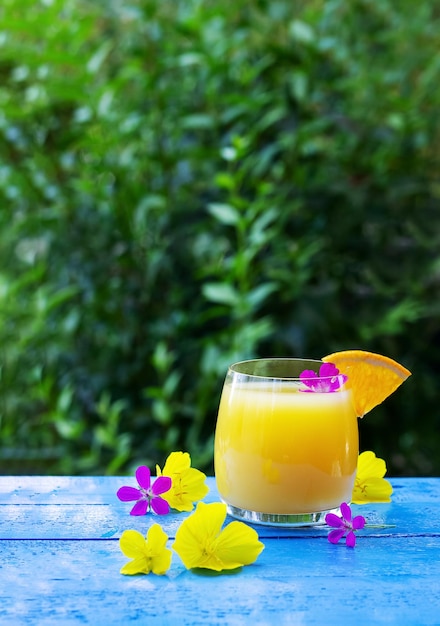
point(187, 483)
point(370, 484)
point(202, 543)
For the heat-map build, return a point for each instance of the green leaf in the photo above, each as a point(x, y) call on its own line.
point(224, 213)
point(223, 293)
point(302, 32)
point(258, 295)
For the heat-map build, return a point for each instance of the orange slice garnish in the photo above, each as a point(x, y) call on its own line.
point(372, 377)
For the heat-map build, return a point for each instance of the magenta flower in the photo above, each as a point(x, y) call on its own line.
point(344, 524)
point(147, 495)
point(329, 379)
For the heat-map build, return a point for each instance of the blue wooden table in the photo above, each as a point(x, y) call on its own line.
point(60, 562)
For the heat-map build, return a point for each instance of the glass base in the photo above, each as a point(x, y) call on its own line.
point(286, 520)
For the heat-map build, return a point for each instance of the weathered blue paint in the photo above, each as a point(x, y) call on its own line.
point(60, 561)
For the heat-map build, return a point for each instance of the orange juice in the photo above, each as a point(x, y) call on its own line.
point(280, 450)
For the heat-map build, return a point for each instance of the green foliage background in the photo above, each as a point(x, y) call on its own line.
point(188, 183)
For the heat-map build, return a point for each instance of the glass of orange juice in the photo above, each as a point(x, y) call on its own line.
point(286, 441)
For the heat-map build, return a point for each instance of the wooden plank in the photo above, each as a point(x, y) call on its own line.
point(75, 508)
point(309, 581)
point(101, 521)
point(99, 489)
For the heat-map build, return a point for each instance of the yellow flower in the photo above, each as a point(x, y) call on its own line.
point(188, 484)
point(149, 553)
point(200, 541)
point(370, 484)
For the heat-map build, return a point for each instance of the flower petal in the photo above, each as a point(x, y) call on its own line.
point(308, 375)
point(309, 378)
point(188, 543)
point(371, 490)
point(345, 512)
point(156, 538)
point(160, 506)
point(132, 543)
point(369, 466)
point(128, 494)
point(143, 476)
point(176, 463)
point(160, 555)
point(358, 522)
point(194, 481)
point(140, 508)
point(350, 540)
point(328, 370)
point(160, 485)
point(179, 502)
point(137, 566)
point(237, 545)
point(333, 520)
point(335, 535)
point(337, 382)
point(162, 562)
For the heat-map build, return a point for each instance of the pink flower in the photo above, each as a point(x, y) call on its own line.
point(344, 524)
point(329, 379)
point(147, 495)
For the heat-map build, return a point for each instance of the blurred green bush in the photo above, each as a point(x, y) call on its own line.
point(186, 184)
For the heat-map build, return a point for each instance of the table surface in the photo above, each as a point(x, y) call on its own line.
point(60, 562)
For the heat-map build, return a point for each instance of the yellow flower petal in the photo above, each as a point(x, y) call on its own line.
point(137, 566)
point(132, 543)
point(238, 545)
point(200, 542)
point(156, 538)
point(161, 562)
point(194, 481)
point(370, 465)
point(372, 490)
point(160, 555)
point(176, 463)
point(370, 486)
point(149, 554)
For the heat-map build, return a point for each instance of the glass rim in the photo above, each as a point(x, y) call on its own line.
point(240, 368)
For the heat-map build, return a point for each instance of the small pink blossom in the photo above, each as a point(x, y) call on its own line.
point(344, 524)
point(147, 495)
point(329, 379)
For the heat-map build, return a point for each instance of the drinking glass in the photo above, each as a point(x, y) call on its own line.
point(285, 451)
